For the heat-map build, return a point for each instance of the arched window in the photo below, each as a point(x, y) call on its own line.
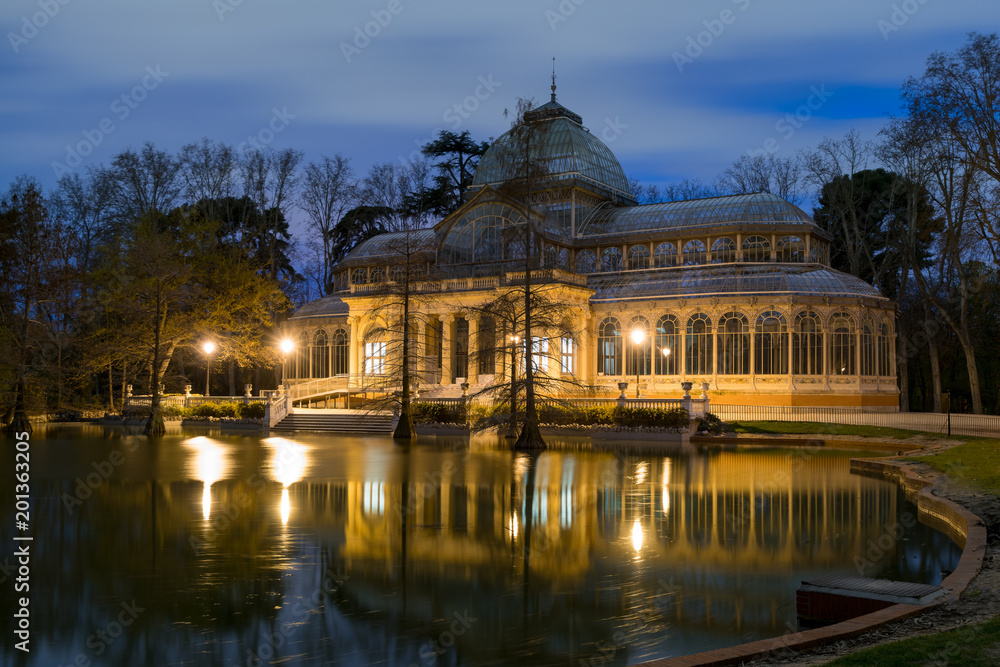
point(301, 361)
point(771, 344)
point(867, 346)
point(807, 344)
point(638, 359)
point(842, 344)
point(611, 259)
point(609, 347)
point(734, 345)
point(885, 366)
point(638, 257)
point(756, 249)
point(320, 355)
point(698, 345)
point(378, 274)
point(375, 357)
point(668, 350)
point(791, 249)
point(694, 253)
point(556, 257)
point(586, 261)
point(665, 255)
point(340, 351)
point(359, 277)
point(723, 251)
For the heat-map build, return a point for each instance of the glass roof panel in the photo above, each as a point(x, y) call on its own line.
point(771, 280)
point(759, 207)
point(387, 245)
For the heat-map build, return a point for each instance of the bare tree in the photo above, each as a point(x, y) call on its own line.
point(270, 179)
point(329, 190)
point(209, 171)
point(778, 176)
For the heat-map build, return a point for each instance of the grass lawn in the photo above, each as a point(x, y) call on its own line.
point(975, 464)
point(817, 428)
point(972, 646)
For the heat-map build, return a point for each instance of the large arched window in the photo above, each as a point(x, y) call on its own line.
point(756, 249)
point(301, 362)
point(340, 350)
point(490, 232)
point(609, 347)
point(723, 251)
point(638, 359)
point(556, 257)
point(868, 346)
point(638, 257)
point(376, 352)
point(359, 276)
point(734, 345)
point(667, 352)
point(842, 344)
point(320, 355)
point(807, 344)
point(698, 345)
point(771, 344)
point(586, 261)
point(791, 249)
point(884, 349)
point(378, 274)
point(694, 253)
point(665, 255)
point(611, 259)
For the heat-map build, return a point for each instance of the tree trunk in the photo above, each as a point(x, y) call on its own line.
point(154, 425)
point(903, 368)
point(531, 435)
point(231, 367)
point(111, 390)
point(934, 358)
point(404, 427)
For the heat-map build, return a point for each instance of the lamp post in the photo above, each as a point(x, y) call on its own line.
point(638, 335)
point(286, 346)
point(208, 347)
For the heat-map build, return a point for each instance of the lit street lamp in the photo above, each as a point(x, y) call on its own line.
point(638, 335)
point(286, 348)
point(208, 347)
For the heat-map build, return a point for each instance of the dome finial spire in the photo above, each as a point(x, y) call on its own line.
point(553, 78)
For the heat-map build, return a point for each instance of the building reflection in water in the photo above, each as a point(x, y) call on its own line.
point(556, 554)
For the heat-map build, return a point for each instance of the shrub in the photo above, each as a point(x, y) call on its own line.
point(711, 423)
point(254, 410)
point(673, 418)
point(437, 413)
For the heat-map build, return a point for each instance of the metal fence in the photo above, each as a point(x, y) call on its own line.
point(932, 422)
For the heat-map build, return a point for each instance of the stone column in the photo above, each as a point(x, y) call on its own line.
point(473, 372)
point(353, 349)
point(419, 351)
point(555, 356)
point(448, 349)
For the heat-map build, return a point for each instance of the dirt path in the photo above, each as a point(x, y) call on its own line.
point(979, 602)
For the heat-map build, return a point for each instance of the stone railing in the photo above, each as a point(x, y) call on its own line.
point(278, 407)
point(478, 283)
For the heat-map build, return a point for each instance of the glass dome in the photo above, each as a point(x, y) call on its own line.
point(567, 148)
point(758, 207)
point(392, 244)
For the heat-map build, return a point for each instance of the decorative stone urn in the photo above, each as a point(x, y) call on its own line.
point(623, 386)
point(465, 389)
point(686, 386)
point(704, 390)
point(247, 390)
point(187, 390)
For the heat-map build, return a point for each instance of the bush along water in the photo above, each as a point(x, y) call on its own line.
point(233, 410)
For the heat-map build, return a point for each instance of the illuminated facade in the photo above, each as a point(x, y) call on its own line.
point(735, 291)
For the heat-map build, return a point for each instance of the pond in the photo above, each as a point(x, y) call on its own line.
point(206, 548)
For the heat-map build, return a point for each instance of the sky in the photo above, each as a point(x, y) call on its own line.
point(677, 89)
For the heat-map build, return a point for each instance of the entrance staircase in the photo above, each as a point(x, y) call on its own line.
point(336, 421)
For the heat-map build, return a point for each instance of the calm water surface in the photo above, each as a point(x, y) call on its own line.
point(220, 549)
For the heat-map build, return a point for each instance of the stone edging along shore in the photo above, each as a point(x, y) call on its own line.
point(961, 525)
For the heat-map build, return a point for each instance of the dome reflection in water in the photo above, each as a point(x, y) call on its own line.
point(322, 549)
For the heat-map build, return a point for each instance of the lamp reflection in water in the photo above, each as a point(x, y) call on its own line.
point(210, 466)
point(288, 464)
point(637, 537)
point(667, 471)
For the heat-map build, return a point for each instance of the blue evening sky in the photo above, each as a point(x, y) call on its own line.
point(676, 88)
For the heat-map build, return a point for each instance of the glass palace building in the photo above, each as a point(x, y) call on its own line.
point(735, 291)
